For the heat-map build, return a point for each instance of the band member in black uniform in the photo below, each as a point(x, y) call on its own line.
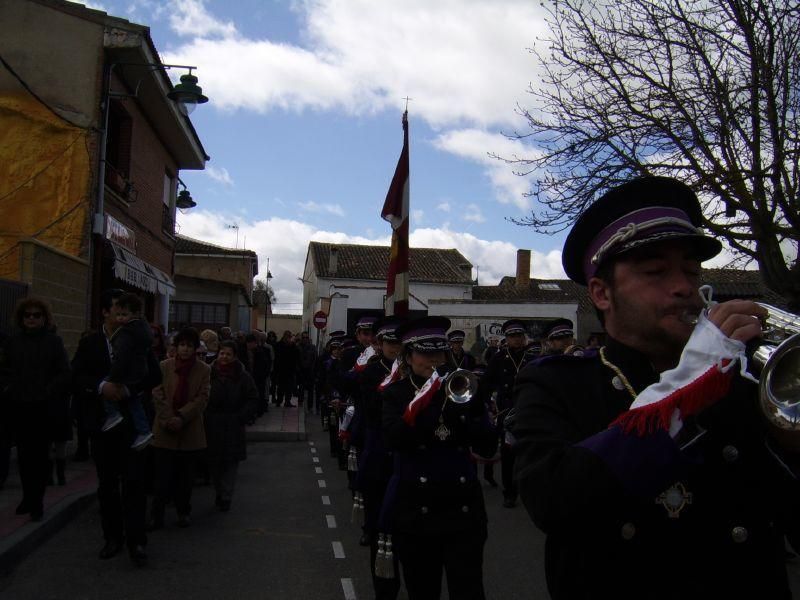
point(434, 500)
point(375, 464)
point(559, 336)
point(461, 359)
point(499, 378)
point(333, 396)
point(648, 464)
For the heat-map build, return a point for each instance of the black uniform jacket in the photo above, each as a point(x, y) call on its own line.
point(500, 374)
point(464, 361)
point(434, 489)
point(375, 462)
point(597, 492)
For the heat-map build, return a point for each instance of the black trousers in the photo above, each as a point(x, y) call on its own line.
point(120, 486)
point(459, 555)
point(33, 456)
point(286, 388)
point(374, 492)
point(175, 471)
point(507, 472)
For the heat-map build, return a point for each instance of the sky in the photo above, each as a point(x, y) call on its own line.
point(304, 128)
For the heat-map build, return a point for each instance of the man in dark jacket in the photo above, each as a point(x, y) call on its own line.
point(307, 375)
point(120, 469)
point(287, 364)
point(648, 464)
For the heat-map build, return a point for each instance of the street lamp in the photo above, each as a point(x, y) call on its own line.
point(266, 298)
point(184, 200)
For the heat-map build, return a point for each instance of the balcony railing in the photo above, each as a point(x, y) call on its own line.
point(167, 220)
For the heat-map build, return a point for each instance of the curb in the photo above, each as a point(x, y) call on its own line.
point(256, 434)
point(27, 538)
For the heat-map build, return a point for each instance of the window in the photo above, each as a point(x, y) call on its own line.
point(168, 205)
point(200, 315)
point(118, 140)
point(552, 287)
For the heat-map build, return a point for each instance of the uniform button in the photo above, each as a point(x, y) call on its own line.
point(462, 418)
point(465, 509)
point(462, 479)
point(424, 510)
point(739, 534)
point(423, 479)
point(628, 531)
point(730, 454)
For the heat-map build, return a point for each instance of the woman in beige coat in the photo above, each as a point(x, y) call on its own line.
point(179, 433)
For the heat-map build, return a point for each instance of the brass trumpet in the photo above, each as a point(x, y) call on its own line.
point(460, 386)
point(777, 357)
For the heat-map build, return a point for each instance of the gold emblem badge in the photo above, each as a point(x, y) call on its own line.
point(675, 499)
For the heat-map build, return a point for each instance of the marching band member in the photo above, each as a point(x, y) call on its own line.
point(461, 359)
point(375, 464)
point(559, 336)
point(434, 501)
point(499, 378)
point(648, 464)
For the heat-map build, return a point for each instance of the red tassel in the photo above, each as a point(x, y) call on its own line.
point(689, 400)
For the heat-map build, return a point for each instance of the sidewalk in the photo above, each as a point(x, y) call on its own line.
point(19, 536)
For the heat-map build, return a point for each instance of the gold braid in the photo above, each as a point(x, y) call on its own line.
point(619, 373)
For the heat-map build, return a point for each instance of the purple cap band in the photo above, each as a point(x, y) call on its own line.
point(637, 225)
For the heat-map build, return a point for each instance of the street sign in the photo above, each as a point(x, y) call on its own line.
point(320, 320)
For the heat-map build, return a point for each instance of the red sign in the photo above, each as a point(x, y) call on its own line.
point(320, 319)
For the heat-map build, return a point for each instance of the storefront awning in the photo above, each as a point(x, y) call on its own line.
point(133, 270)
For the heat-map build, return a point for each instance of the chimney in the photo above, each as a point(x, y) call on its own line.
point(333, 261)
point(523, 268)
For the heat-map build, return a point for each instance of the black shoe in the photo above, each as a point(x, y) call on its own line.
point(184, 521)
point(110, 550)
point(365, 540)
point(138, 555)
point(23, 508)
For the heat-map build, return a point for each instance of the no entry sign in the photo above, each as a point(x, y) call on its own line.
point(320, 319)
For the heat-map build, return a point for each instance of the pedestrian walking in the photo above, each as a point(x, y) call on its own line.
point(35, 377)
point(287, 365)
point(232, 402)
point(179, 434)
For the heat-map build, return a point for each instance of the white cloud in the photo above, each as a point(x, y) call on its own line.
point(284, 243)
point(190, 17)
point(219, 174)
point(316, 207)
point(473, 213)
point(476, 145)
point(444, 207)
point(365, 56)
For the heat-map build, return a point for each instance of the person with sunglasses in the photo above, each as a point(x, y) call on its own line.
point(35, 378)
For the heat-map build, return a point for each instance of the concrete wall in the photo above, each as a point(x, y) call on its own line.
point(234, 270)
point(60, 279)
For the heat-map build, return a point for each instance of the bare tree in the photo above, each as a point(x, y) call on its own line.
point(259, 288)
point(704, 90)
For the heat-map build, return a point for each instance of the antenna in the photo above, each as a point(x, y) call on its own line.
point(236, 227)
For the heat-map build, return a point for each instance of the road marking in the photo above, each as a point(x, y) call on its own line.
point(338, 549)
point(348, 589)
point(310, 443)
point(331, 521)
point(326, 500)
point(313, 451)
point(315, 459)
point(321, 483)
point(318, 470)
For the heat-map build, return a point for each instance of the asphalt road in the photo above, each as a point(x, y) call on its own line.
point(286, 536)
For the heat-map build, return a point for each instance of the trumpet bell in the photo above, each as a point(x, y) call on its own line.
point(779, 384)
point(461, 386)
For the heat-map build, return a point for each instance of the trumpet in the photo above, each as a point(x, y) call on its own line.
point(777, 356)
point(460, 386)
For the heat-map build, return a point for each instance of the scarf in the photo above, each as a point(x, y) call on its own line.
point(182, 369)
point(226, 371)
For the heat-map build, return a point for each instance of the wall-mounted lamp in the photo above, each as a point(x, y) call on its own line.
point(184, 200)
point(187, 93)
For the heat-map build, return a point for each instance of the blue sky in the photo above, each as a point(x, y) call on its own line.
point(304, 123)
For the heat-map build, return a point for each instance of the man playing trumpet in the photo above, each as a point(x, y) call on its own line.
point(648, 465)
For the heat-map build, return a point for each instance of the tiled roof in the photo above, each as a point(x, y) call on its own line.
point(428, 265)
point(187, 245)
point(727, 284)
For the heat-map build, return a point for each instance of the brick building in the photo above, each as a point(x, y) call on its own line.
point(73, 223)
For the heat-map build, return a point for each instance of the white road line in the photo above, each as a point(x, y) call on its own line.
point(331, 521)
point(348, 589)
point(315, 459)
point(310, 443)
point(338, 549)
point(321, 483)
point(326, 500)
point(313, 450)
point(318, 470)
